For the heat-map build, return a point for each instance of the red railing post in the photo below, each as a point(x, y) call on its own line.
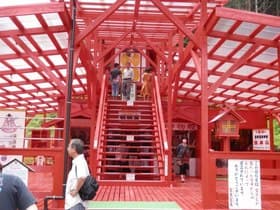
point(99, 124)
point(161, 128)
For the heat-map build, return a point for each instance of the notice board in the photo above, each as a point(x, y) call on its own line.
point(244, 184)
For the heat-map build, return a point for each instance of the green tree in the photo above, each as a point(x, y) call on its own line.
point(261, 6)
point(276, 133)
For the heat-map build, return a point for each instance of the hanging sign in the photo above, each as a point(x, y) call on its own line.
point(12, 127)
point(184, 126)
point(261, 139)
point(244, 185)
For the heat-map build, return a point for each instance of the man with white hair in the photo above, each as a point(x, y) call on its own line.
point(127, 81)
point(76, 176)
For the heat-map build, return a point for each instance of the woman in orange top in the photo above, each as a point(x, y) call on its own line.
point(146, 90)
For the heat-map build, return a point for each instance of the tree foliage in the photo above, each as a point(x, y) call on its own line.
point(271, 7)
point(276, 134)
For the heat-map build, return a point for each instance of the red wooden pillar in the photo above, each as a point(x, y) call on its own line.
point(207, 184)
point(226, 144)
point(93, 93)
point(169, 110)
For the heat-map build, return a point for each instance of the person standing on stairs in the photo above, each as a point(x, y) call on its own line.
point(182, 154)
point(146, 89)
point(115, 80)
point(127, 81)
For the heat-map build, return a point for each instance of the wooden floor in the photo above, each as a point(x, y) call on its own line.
point(187, 195)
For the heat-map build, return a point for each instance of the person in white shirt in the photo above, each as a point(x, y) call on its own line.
point(127, 81)
point(76, 176)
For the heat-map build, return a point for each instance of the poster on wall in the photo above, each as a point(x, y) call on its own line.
point(261, 139)
point(134, 59)
point(244, 185)
point(12, 124)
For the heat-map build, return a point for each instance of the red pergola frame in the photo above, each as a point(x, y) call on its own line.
point(200, 75)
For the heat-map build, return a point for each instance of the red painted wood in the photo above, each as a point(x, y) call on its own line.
point(101, 18)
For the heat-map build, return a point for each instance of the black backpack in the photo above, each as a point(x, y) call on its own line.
point(89, 188)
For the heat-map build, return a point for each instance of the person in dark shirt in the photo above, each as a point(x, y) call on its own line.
point(115, 79)
point(14, 195)
point(182, 154)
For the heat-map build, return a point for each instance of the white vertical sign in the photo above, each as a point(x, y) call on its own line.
point(261, 139)
point(12, 124)
point(17, 169)
point(244, 185)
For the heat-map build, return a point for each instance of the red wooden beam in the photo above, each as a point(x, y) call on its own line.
point(47, 70)
point(136, 14)
point(108, 61)
point(176, 21)
point(233, 68)
point(242, 38)
point(32, 9)
point(99, 20)
point(113, 46)
point(193, 11)
point(197, 63)
point(158, 51)
point(147, 57)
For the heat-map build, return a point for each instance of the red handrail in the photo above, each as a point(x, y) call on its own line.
point(161, 125)
point(99, 124)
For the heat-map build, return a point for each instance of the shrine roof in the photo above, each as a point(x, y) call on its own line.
point(243, 49)
point(243, 61)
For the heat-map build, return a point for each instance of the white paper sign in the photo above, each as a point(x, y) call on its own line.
point(129, 138)
point(17, 169)
point(130, 103)
point(130, 177)
point(244, 185)
point(12, 124)
point(261, 139)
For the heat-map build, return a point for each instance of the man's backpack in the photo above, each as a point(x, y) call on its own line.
point(89, 188)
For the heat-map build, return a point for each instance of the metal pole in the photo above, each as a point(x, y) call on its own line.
point(67, 124)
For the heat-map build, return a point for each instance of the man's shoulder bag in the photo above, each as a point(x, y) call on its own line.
point(89, 188)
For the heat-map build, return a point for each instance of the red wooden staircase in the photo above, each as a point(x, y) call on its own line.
point(129, 143)
point(129, 148)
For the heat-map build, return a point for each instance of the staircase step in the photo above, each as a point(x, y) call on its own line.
point(141, 116)
point(131, 142)
point(135, 106)
point(124, 173)
point(125, 134)
point(130, 147)
point(130, 153)
point(128, 125)
point(140, 111)
point(146, 121)
point(129, 166)
point(131, 159)
point(131, 130)
point(124, 103)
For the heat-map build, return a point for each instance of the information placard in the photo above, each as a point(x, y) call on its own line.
point(261, 139)
point(244, 185)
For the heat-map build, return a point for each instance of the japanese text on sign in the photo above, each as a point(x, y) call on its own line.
point(244, 186)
